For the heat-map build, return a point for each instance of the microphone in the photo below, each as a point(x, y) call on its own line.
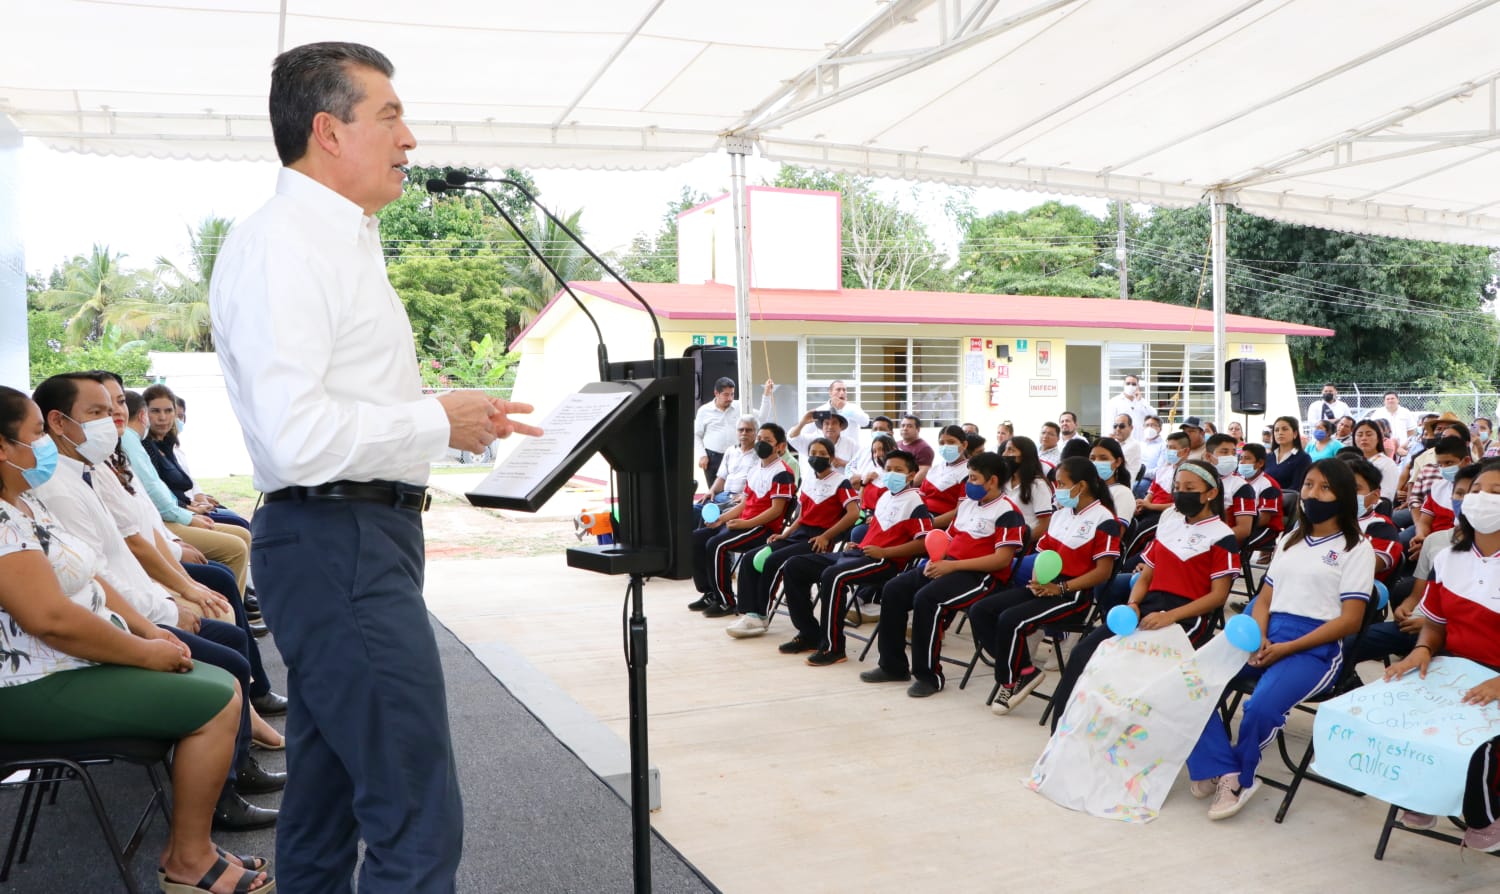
point(459, 179)
point(437, 186)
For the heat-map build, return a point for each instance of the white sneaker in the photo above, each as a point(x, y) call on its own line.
point(870, 610)
point(747, 626)
point(1228, 799)
point(1202, 788)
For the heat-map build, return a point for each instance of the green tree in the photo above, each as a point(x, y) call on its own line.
point(88, 293)
point(1404, 311)
point(464, 220)
point(176, 309)
point(51, 355)
point(1051, 249)
point(653, 258)
point(885, 245)
point(533, 286)
point(455, 301)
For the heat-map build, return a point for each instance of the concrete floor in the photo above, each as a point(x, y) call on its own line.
point(778, 776)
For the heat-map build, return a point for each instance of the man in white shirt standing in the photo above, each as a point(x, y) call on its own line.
point(1123, 431)
point(1401, 420)
point(1131, 402)
point(1330, 407)
point(318, 358)
point(839, 402)
point(713, 429)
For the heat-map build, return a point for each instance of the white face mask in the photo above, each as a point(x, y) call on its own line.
point(1132, 390)
point(1152, 433)
point(1483, 511)
point(99, 439)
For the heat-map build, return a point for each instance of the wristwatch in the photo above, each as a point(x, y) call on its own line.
point(1062, 587)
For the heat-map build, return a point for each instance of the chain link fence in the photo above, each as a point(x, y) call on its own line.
point(1362, 400)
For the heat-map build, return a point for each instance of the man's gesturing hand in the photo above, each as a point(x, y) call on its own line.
point(504, 426)
point(469, 426)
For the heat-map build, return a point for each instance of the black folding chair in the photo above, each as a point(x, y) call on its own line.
point(1241, 688)
point(51, 764)
point(1393, 825)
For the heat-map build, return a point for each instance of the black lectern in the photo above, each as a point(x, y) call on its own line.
point(647, 439)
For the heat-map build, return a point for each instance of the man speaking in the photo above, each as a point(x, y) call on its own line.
point(318, 357)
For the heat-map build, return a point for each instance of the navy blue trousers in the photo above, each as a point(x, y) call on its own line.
point(217, 577)
point(223, 645)
point(369, 754)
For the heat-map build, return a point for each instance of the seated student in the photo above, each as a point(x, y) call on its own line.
point(829, 425)
point(1462, 607)
point(1003, 433)
point(1313, 597)
point(1241, 503)
point(1369, 440)
point(161, 444)
point(1109, 461)
point(863, 468)
point(1424, 470)
point(944, 485)
point(894, 537)
point(82, 664)
point(1269, 522)
point(1399, 635)
point(987, 533)
point(744, 526)
point(1159, 496)
point(1085, 533)
point(1482, 444)
point(1436, 511)
point(828, 508)
point(1384, 539)
point(1287, 462)
point(1185, 575)
point(1028, 486)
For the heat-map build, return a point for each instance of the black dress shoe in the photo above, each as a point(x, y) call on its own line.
point(258, 629)
point(252, 602)
point(268, 705)
point(234, 814)
point(253, 779)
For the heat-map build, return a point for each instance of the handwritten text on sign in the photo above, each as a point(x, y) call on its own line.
point(1407, 742)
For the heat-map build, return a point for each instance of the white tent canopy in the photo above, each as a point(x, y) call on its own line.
point(1377, 116)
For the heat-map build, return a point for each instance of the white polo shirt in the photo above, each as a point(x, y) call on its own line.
point(1312, 578)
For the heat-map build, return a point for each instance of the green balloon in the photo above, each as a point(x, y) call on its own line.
point(615, 514)
point(760, 558)
point(1047, 567)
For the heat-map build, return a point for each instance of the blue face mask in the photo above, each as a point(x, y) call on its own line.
point(975, 492)
point(45, 453)
point(895, 482)
point(1066, 500)
point(1246, 470)
point(1457, 504)
point(949, 452)
point(1105, 469)
point(1225, 465)
point(1450, 473)
point(1320, 435)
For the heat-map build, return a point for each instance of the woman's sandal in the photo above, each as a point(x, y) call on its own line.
point(252, 866)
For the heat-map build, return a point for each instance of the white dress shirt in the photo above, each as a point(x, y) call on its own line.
point(316, 348)
point(714, 429)
point(851, 411)
point(81, 511)
point(1131, 448)
point(1402, 421)
point(847, 449)
point(736, 467)
point(1136, 408)
point(1315, 412)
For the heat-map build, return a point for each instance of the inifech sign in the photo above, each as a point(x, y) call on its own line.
point(1407, 742)
point(1041, 388)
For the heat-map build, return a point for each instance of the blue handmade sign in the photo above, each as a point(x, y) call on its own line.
point(1407, 742)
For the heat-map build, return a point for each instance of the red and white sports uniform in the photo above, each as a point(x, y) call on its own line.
point(1439, 505)
point(713, 548)
point(1187, 557)
point(981, 528)
point(897, 519)
point(764, 484)
point(1082, 538)
point(1268, 499)
point(823, 501)
point(944, 486)
point(1163, 484)
point(1386, 541)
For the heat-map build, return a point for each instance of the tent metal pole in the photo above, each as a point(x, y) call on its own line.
point(1219, 228)
point(739, 148)
point(15, 362)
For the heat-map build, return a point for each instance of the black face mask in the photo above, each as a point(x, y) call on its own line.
point(1429, 443)
point(763, 449)
point(1188, 503)
point(1328, 397)
point(819, 464)
point(1319, 511)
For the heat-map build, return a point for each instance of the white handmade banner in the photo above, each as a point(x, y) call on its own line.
point(1136, 712)
point(1407, 742)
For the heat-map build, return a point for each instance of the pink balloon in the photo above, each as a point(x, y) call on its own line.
point(937, 545)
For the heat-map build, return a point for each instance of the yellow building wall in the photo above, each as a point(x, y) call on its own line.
point(561, 359)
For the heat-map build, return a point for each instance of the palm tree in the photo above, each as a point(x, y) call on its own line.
point(527, 279)
point(177, 309)
point(93, 289)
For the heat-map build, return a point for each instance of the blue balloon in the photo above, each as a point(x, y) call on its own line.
point(1133, 578)
point(710, 513)
point(1243, 633)
point(1122, 620)
point(1382, 595)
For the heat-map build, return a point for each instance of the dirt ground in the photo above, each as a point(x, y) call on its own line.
point(455, 529)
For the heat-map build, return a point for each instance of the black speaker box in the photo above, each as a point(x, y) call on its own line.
point(1246, 382)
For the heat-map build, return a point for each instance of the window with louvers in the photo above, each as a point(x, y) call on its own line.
point(888, 376)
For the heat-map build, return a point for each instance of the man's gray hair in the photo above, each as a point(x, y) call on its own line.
point(750, 418)
point(316, 78)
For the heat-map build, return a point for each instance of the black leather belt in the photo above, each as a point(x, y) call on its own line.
point(385, 493)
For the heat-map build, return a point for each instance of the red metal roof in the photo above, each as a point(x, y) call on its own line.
point(715, 301)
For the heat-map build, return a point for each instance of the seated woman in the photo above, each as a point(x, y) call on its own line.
point(1186, 572)
point(1481, 437)
point(1286, 462)
point(1109, 462)
point(1324, 444)
point(828, 507)
point(1086, 534)
point(161, 444)
point(1369, 439)
point(80, 663)
point(944, 485)
point(1462, 620)
point(1313, 596)
point(1028, 487)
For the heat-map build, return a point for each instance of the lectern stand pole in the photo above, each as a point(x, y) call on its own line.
point(640, 762)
